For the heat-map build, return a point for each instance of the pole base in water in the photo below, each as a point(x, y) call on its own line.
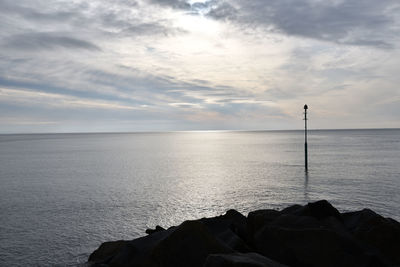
point(306, 156)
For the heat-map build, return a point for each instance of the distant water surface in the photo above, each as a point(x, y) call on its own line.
point(62, 195)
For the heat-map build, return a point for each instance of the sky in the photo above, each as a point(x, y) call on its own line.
point(175, 65)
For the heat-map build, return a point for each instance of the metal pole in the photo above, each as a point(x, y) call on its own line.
point(305, 139)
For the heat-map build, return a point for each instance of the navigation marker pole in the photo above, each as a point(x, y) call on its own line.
point(305, 139)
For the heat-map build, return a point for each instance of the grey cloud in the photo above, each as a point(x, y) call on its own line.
point(223, 11)
point(375, 43)
point(365, 23)
point(180, 4)
point(40, 40)
point(198, 5)
point(113, 19)
point(194, 8)
point(127, 3)
point(131, 27)
point(54, 87)
point(128, 86)
point(123, 84)
point(35, 13)
point(151, 29)
point(199, 81)
point(100, 20)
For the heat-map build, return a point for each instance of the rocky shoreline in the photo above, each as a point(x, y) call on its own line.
point(316, 234)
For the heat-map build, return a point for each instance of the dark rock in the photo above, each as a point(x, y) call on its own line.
point(132, 253)
point(319, 210)
point(315, 234)
point(230, 239)
point(186, 245)
point(335, 225)
point(233, 220)
point(296, 222)
point(352, 220)
point(309, 247)
point(107, 250)
point(291, 209)
point(230, 229)
point(377, 232)
point(152, 231)
point(256, 220)
point(240, 260)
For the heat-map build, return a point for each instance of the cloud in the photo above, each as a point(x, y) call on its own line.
point(28, 12)
point(223, 11)
point(25, 97)
point(45, 40)
point(180, 4)
point(365, 23)
point(151, 29)
point(198, 65)
point(77, 24)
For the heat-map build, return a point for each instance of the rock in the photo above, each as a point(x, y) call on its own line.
point(319, 210)
point(309, 247)
point(232, 219)
point(230, 239)
point(315, 234)
point(291, 209)
point(296, 222)
point(316, 226)
point(240, 260)
point(106, 251)
point(231, 229)
point(256, 220)
point(352, 220)
point(152, 231)
point(377, 232)
point(186, 245)
point(134, 252)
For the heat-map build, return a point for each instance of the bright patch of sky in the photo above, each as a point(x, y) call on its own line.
point(155, 65)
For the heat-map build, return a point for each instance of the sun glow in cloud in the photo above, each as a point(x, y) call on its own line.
point(198, 24)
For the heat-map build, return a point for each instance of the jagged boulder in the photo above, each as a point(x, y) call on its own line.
point(376, 232)
point(230, 228)
point(107, 250)
point(188, 244)
point(240, 260)
point(320, 210)
point(316, 234)
point(256, 220)
point(309, 247)
point(155, 230)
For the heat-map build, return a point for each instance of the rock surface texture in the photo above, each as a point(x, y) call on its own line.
point(315, 234)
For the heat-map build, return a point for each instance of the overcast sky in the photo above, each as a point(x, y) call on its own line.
point(155, 65)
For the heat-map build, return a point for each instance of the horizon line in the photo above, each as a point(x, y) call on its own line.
point(199, 131)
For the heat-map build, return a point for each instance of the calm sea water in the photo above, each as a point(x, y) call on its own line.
point(62, 195)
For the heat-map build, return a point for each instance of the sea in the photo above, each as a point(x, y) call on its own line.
point(62, 195)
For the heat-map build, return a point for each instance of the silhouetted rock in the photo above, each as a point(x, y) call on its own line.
point(315, 234)
point(377, 232)
point(291, 209)
point(240, 260)
point(309, 247)
point(189, 244)
point(258, 219)
point(319, 210)
point(107, 250)
point(155, 230)
point(230, 229)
